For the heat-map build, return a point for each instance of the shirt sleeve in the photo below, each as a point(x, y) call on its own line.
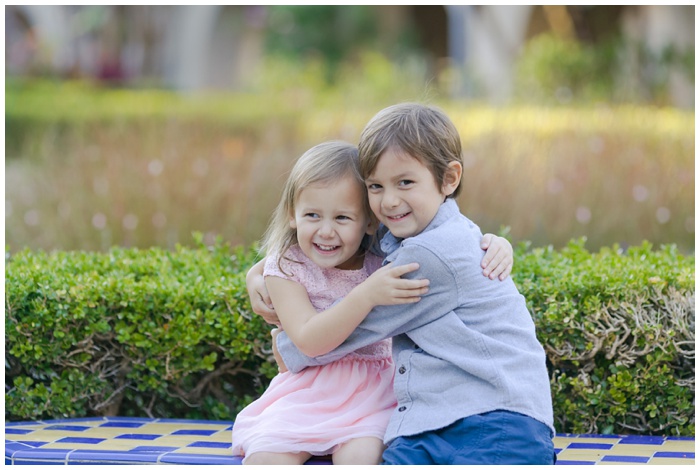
point(386, 321)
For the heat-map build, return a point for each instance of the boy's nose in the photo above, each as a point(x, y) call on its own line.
point(390, 200)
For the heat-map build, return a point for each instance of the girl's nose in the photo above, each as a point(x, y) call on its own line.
point(326, 229)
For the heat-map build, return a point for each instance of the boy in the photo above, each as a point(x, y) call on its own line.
point(471, 382)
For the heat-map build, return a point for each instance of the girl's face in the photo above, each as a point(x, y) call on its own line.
point(330, 222)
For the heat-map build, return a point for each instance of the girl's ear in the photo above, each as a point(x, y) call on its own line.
point(292, 222)
point(453, 176)
point(372, 225)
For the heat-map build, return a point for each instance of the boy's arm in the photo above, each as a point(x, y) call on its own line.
point(497, 262)
point(260, 301)
point(316, 333)
point(387, 321)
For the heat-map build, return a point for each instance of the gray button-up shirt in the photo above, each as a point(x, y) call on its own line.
point(467, 347)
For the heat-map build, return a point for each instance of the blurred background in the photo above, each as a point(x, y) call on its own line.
point(139, 125)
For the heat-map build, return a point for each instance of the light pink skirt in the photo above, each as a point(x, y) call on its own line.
point(319, 408)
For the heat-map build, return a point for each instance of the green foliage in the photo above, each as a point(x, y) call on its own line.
point(619, 331)
point(554, 70)
point(170, 334)
point(133, 331)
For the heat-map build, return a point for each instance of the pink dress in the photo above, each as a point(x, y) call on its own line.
point(321, 407)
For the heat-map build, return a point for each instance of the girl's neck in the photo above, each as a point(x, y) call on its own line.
point(353, 263)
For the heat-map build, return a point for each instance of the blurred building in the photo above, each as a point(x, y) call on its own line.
point(201, 47)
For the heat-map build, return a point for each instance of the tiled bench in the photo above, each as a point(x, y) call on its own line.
point(169, 441)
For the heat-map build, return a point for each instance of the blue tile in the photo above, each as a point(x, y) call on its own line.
point(680, 438)
point(211, 445)
point(18, 431)
point(33, 444)
point(195, 432)
point(41, 454)
point(142, 437)
point(194, 421)
point(161, 449)
point(81, 440)
point(675, 455)
point(23, 423)
point(13, 447)
point(201, 459)
point(124, 419)
point(644, 440)
point(625, 458)
point(589, 445)
point(37, 462)
point(73, 420)
point(120, 424)
point(112, 456)
point(65, 427)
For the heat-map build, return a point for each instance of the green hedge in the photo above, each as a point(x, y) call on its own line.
point(170, 334)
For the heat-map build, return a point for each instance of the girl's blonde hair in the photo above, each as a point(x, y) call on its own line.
point(324, 163)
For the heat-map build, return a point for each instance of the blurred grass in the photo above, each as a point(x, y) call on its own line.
point(88, 167)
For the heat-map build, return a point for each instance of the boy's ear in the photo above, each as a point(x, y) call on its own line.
point(453, 176)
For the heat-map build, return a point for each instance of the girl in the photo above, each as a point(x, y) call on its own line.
point(317, 245)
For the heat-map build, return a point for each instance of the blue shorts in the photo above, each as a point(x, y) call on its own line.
point(497, 438)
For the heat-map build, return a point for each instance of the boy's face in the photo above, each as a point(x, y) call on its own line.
point(403, 192)
point(330, 220)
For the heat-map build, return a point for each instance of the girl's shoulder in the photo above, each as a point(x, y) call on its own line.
point(293, 264)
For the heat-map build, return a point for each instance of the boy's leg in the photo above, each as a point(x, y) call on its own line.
point(359, 451)
point(499, 438)
point(272, 458)
point(411, 450)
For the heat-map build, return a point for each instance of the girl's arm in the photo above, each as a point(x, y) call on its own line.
point(498, 260)
point(315, 333)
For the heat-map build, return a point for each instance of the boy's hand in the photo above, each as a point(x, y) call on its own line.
point(498, 260)
point(281, 367)
point(386, 287)
point(260, 300)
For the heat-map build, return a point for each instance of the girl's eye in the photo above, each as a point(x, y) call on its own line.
point(373, 187)
point(311, 215)
point(405, 182)
point(343, 217)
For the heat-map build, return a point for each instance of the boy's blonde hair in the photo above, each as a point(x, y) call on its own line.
point(423, 132)
point(324, 163)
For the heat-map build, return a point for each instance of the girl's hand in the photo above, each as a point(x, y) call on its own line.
point(386, 287)
point(281, 367)
point(260, 300)
point(498, 260)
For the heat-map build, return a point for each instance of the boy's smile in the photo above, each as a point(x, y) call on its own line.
point(403, 193)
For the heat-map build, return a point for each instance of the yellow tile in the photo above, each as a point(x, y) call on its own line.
point(667, 461)
point(638, 450)
point(587, 455)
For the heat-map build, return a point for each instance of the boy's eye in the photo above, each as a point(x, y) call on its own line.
point(405, 182)
point(343, 217)
point(374, 186)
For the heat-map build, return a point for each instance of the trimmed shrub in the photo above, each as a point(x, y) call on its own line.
point(170, 333)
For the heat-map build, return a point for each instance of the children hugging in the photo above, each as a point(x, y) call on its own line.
point(401, 346)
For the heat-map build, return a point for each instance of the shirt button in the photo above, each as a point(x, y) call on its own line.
point(402, 370)
point(403, 408)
